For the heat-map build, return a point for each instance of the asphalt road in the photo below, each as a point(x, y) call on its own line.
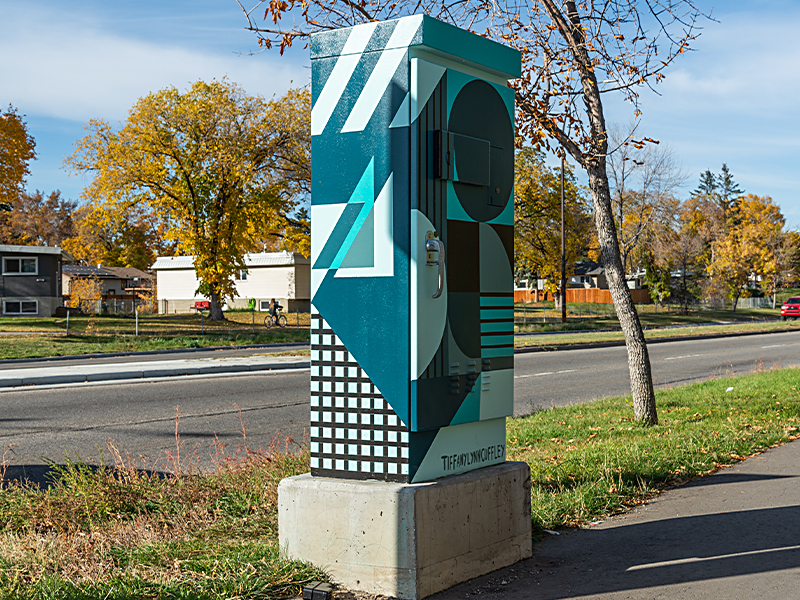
point(78, 420)
point(559, 378)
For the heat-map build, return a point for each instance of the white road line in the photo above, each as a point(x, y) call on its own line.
point(774, 346)
point(684, 356)
point(696, 559)
point(542, 374)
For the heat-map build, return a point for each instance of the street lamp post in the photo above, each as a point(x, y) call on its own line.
point(563, 253)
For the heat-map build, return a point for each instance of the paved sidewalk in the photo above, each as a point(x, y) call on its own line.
point(55, 373)
point(732, 535)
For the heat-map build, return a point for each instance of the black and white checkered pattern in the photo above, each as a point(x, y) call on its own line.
point(355, 434)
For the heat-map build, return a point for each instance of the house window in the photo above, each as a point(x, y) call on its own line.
point(242, 275)
point(20, 307)
point(20, 266)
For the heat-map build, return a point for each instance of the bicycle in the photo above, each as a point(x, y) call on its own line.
point(278, 320)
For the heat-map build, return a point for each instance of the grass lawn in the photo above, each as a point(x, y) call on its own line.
point(567, 339)
point(27, 338)
point(40, 337)
point(543, 317)
point(119, 532)
point(591, 460)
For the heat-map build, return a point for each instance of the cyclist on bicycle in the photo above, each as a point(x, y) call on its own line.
point(274, 318)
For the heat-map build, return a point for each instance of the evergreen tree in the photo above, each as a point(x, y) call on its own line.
point(729, 195)
point(708, 185)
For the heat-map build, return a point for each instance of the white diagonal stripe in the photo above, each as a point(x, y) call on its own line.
point(340, 76)
point(381, 75)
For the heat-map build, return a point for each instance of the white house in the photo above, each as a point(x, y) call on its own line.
point(285, 276)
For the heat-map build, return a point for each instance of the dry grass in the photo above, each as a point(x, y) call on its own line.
point(127, 529)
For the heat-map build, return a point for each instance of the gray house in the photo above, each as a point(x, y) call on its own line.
point(30, 281)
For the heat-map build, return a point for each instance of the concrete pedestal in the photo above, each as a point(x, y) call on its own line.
point(408, 540)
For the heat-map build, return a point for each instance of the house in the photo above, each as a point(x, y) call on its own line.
point(587, 284)
point(120, 288)
point(285, 276)
point(30, 284)
point(589, 275)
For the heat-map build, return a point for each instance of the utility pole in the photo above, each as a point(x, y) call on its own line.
point(563, 253)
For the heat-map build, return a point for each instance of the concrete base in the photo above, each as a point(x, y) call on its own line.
point(408, 540)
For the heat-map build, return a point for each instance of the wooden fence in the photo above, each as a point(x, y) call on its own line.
point(575, 295)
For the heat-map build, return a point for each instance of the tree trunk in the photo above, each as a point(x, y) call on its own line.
point(594, 161)
point(736, 297)
point(685, 291)
point(215, 311)
point(644, 400)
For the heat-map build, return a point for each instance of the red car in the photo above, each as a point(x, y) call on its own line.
point(790, 309)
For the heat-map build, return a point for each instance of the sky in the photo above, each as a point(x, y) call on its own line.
point(731, 100)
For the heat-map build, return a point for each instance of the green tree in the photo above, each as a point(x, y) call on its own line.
point(708, 186)
point(723, 191)
point(537, 218)
point(17, 149)
point(217, 166)
point(728, 197)
point(658, 280)
point(572, 54)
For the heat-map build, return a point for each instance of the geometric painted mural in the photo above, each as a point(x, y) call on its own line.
point(412, 139)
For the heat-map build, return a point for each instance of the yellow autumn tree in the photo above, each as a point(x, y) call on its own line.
point(219, 167)
point(16, 151)
point(537, 219)
point(85, 294)
point(752, 251)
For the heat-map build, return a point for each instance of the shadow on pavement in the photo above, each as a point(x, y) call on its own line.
point(726, 478)
point(594, 562)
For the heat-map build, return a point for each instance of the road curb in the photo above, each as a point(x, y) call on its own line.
point(132, 375)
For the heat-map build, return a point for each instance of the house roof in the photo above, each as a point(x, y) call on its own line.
point(588, 267)
point(88, 271)
point(33, 249)
point(128, 272)
point(263, 259)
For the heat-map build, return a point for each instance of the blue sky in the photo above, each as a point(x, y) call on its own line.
point(733, 100)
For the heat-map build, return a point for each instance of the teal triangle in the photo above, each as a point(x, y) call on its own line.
point(364, 194)
point(470, 409)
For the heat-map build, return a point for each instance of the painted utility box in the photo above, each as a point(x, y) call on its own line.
point(412, 250)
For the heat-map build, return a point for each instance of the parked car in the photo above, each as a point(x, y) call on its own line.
point(790, 309)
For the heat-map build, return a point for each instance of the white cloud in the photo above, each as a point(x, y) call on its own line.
point(74, 69)
point(746, 62)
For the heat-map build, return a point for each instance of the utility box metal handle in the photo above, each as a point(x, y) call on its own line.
point(434, 245)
